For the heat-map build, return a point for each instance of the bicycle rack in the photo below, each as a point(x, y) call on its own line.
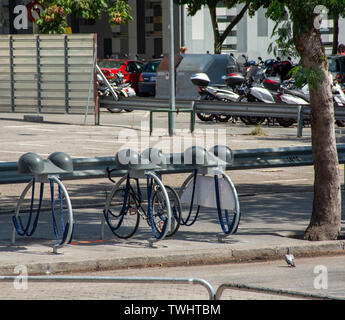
point(139, 166)
point(45, 171)
point(197, 188)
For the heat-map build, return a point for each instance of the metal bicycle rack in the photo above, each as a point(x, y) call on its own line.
point(45, 171)
point(204, 187)
point(138, 166)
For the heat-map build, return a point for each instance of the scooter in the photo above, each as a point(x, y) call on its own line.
point(121, 88)
point(249, 93)
point(206, 92)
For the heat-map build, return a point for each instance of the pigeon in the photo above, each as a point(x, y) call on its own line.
point(289, 258)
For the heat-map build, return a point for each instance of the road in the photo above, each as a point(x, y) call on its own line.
point(317, 276)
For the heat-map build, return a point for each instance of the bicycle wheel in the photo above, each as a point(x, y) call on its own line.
point(121, 212)
point(159, 210)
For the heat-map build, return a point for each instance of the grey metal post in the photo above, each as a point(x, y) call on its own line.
point(300, 122)
point(12, 73)
point(38, 69)
point(182, 26)
point(172, 71)
point(65, 43)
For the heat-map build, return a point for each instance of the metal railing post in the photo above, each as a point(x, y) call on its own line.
point(65, 44)
point(12, 73)
point(172, 114)
point(38, 69)
point(300, 121)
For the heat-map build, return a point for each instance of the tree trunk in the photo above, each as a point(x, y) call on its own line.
point(325, 222)
point(335, 33)
point(219, 39)
point(217, 43)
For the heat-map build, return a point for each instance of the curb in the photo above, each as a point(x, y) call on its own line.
point(177, 259)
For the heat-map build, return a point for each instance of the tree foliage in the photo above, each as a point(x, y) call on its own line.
point(54, 18)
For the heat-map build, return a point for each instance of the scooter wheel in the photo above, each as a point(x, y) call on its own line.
point(223, 118)
point(340, 123)
point(285, 122)
point(114, 110)
point(205, 116)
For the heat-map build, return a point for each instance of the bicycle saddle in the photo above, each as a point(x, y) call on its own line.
point(57, 162)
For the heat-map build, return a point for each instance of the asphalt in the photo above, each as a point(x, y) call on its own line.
point(275, 211)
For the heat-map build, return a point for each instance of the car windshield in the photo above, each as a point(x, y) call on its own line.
point(151, 66)
point(333, 65)
point(111, 64)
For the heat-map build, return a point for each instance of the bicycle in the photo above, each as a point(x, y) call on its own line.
point(124, 207)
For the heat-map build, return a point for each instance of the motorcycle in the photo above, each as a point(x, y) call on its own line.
point(121, 88)
point(251, 92)
point(206, 92)
point(248, 92)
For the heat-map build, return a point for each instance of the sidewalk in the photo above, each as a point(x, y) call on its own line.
point(275, 206)
point(271, 222)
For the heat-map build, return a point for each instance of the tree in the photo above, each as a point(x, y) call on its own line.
point(193, 6)
point(325, 222)
point(337, 10)
point(54, 18)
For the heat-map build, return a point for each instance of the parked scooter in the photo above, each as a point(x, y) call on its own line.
point(207, 92)
point(271, 92)
point(248, 93)
point(121, 88)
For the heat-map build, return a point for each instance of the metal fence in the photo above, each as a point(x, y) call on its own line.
point(258, 109)
point(48, 73)
point(95, 168)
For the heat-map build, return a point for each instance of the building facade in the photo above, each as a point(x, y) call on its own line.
point(147, 35)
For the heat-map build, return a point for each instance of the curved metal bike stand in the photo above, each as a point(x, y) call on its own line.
point(167, 202)
point(208, 168)
point(68, 233)
point(45, 171)
point(236, 221)
point(165, 194)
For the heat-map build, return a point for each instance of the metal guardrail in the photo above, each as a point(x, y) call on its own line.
point(194, 281)
point(240, 109)
point(276, 110)
point(94, 168)
point(272, 291)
